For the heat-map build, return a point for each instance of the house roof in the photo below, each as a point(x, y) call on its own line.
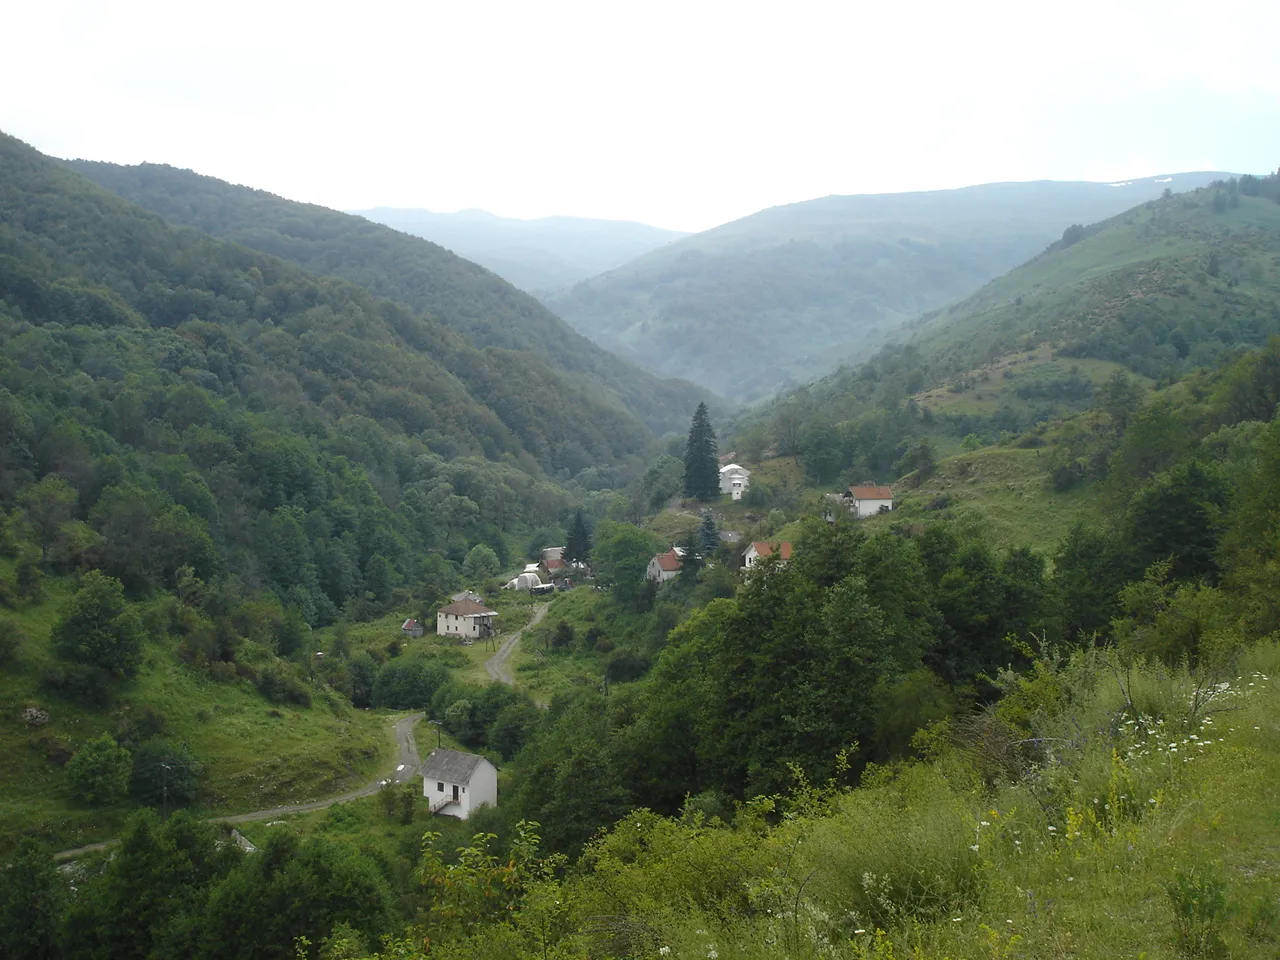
point(766, 549)
point(555, 563)
point(871, 493)
point(452, 766)
point(728, 457)
point(409, 624)
point(733, 466)
point(467, 608)
point(668, 561)
point(468, 595)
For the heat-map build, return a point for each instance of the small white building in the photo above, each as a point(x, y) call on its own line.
point(867, 500)
point(664, 566)
point(734, 480)
point(760, 550)
point(455, 783)
point(465, 618)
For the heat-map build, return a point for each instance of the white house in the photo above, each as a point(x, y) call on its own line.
point(455, 783)
point(868, 499)
point(465, 618)
point(664, 566)
point(734, 480)
point(759, 551)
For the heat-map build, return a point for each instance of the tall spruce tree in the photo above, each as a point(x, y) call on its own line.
point(578, 545)
point(701, 468)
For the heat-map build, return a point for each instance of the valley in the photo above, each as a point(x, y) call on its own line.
point(271, 476)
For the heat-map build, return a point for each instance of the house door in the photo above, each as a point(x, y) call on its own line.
point(455, 793)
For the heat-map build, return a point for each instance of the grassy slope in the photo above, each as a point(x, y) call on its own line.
point(1144, 264)
point(256, 755)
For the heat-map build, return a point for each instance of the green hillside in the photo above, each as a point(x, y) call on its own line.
point(1165, 287)
point(455, 293)
point(542, 255)
point(785, 294)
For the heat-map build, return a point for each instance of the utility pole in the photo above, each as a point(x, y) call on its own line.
point(438, 724)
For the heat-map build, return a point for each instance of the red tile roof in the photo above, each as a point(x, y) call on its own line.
point(466, 608)
point(766, 549)
point(871, 493)
point(668, 561)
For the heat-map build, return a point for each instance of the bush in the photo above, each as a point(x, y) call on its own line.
point(11, 639)
point(624, 666)
point(99, 772)
point(163, 773)
point(1198, 897)
point(79, 682)
point(278, 684)
point(99, 628)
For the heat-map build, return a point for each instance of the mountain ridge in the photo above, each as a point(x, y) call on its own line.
point(795, 289)
point(461, 295)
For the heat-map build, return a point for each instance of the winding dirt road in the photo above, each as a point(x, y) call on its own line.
point(407, 766)
point(496, 666)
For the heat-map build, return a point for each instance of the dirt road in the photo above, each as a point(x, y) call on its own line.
point(406, 768)
point(496, 666)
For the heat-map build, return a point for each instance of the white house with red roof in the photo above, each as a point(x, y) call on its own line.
point(868, 499)
point(664, 566)
point(759, 550)
point(465, 618)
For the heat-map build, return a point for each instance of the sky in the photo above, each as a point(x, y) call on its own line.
point(681, 114)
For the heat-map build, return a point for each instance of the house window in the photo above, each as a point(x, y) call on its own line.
point(464, 789)
point(439, 787)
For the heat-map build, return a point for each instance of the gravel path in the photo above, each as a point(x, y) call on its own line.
point(496, 666)
point(407, 765)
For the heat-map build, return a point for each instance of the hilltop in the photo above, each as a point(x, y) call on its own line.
point(541, 256)
point(457, 294)
point(787, 293)
point(1165, 287)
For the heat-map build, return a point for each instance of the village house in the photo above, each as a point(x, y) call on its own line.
point(664, 566)
point(411, 628)
point(551, 553)
point(868, 499)
point(468, 595)
point(734, 480)
point(760, 551)
point(455, 783)
point(465, 618)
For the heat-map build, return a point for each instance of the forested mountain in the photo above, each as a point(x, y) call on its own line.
point(541, 256)
point(457, 294)
point(1161, 288)
point(217, 407)
point(787, 293)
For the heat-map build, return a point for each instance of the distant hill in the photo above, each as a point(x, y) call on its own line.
point(484, 309)
point(540, 256)
point(1165, 287)
point(786, 294)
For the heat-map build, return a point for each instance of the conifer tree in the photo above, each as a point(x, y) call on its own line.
point(578, 545)
point(701, 468)
point(708, 535)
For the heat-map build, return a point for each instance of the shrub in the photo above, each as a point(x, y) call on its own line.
point(278, 684)
point(624, 666)
point(84, 684)
point(11, 639)
point(1198, 897)
point(99, 772)
point(164, 772)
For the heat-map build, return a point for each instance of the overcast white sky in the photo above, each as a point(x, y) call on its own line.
point(681, 114)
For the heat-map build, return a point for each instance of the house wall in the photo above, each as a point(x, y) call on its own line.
point(751, 558)
point(481, 791)
point(449, 625)
point(869, 508)
point(734, 483)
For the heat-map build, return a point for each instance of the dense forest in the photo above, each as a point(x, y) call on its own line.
point(488, 312)
point(783, 295)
